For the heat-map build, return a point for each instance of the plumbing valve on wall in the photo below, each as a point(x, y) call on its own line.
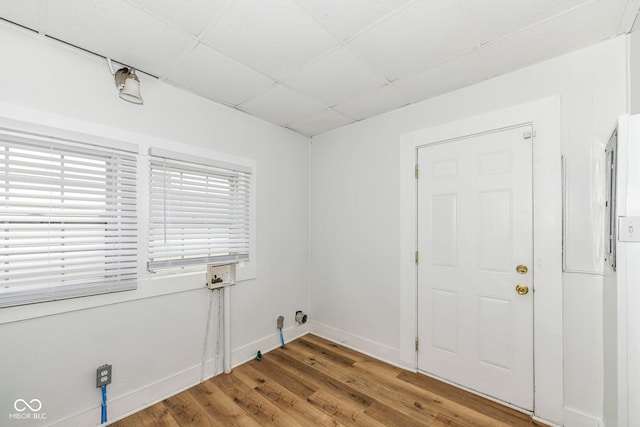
point(220, 276)
point(301, 318)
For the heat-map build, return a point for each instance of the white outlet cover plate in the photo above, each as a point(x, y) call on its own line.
point(629, 229)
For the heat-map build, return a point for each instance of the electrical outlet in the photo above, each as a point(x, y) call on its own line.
point(280, 322)
point(103, 375)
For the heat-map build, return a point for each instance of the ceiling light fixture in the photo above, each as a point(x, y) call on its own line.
point(127, 83)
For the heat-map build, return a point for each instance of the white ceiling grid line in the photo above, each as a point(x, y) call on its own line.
point(274, 36)
point(421, 36)
point(335, 79)
point(631, 17)
point(282, 105)
point(314, 65)
point(361, 15)
point(239, 82)
point(177, 13)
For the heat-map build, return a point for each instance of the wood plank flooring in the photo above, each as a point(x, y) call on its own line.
point(314, 382)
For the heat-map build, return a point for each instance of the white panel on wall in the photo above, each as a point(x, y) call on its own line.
point(583, 368)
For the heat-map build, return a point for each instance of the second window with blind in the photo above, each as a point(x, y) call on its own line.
point(200, 212)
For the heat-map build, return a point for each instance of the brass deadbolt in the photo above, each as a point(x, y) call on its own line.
point(522, 269)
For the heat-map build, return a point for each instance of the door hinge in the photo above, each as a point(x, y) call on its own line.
point(529, 135)
point(417, 344)
point(417, 172)
point(417, 257)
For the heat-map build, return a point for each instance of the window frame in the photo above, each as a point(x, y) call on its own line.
point(59, 145)
point(149, 285)
point(192, 184)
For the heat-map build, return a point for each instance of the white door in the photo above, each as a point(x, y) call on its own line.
point(474, 229)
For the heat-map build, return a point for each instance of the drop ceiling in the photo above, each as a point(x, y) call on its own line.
point(315, 65)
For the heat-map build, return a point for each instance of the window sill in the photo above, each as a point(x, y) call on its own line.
point(147, 288)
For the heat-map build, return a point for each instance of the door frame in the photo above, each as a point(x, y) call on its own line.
point(545, 116)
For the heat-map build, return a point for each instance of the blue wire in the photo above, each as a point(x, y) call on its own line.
point(281, 337)
point(104, 404)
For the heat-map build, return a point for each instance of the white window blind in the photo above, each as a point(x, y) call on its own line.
point(67, 217)
point(199, 211)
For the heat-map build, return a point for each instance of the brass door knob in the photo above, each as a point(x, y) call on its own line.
point(522, 289)
point(522, 269)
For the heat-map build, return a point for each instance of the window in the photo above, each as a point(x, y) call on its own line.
point(200, 211)
point(68, 218)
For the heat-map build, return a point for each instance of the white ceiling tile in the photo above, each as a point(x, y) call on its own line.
point(377, 102)
point(582, 27)
point(416, 38)
point(423, 47)
point(216, 76)
point(335, 78)
point(190, 15)
point(320, 122)
point(272, 36)
point(281, 105)
point(455, 74)
point(23, 12)
point(345, 18)
point(117, 30)
point(631, 19)
point(492, 19)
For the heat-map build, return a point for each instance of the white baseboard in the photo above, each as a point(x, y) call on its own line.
point(136, 400)
point(374, 349)
point(575, 418)
point(122, 406)
point(249, 351)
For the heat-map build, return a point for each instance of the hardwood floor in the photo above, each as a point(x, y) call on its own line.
point(314, 382)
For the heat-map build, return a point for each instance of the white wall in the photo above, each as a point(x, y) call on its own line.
point(153, 337)
point(629, 268)
point(634, 68)
point(355, 236)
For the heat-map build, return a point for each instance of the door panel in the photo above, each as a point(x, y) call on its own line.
point(444, 321)
point(444, 243)
point(474, 227)
point(495, 231)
